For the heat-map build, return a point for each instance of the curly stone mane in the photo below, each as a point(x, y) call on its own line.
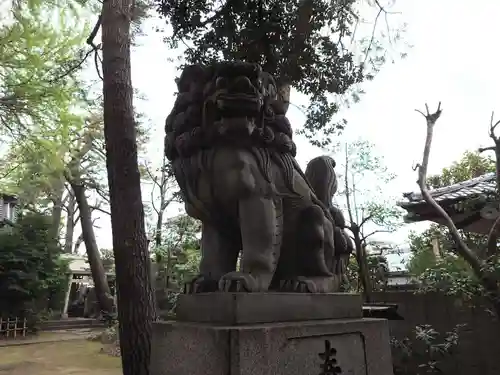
point(192, 132)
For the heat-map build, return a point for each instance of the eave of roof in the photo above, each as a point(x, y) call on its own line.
point(480, 186)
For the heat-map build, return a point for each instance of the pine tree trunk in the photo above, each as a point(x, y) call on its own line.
point(135, 312)
point(102, 291)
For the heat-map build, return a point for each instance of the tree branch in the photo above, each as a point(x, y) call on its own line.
point(155, 183)
point(94, 48)
point(495, 229)
point(483, 149)
point(364, 238)
point(493, 238)
point(462, 248)
point(347, 195)
point(97, 208)
point(493, 127)
point(365, 219)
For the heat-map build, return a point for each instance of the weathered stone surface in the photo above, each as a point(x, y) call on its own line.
point(232, 154)
point(362, 348)
point(249, 308)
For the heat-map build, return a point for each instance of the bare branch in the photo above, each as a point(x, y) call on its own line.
point(462, 248)
point(94, 48)
point(364, 238)
point(493, 238)
point(493, 127)
point(76, 219)
point(155, 183)
point(97, 208)
point(365, 220)
point(483, 149)
point(347, 195)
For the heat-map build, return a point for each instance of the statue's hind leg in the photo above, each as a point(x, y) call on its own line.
point(261, 230)
point(311, 271)
point(219, 254)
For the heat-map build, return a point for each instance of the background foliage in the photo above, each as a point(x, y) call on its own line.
point(30, 266)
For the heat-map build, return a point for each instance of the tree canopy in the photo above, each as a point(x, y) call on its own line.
point(30, 266)
point(304, 43)
point(471, 165)
point(39, 49)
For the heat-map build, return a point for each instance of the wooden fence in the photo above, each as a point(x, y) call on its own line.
point(13, 327)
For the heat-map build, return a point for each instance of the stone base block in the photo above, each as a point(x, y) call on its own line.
point(347, 346)
point(249, 308)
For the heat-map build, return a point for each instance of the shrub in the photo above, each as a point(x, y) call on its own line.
point(30, 267)
point(424, 353)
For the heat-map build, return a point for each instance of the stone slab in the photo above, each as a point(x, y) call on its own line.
point(250, 308)
point(293, 348)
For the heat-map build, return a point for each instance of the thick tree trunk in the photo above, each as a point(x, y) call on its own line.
point(135, 299)
point(57, 201)
point(70, 224)
point(101, 285)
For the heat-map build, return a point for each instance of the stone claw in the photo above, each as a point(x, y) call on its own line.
point(239, 282)
point(200, 284)
point(298, 285)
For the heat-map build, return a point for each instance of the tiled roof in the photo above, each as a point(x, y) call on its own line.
point(485, 184)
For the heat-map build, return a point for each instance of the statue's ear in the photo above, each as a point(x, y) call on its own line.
point(334, 163)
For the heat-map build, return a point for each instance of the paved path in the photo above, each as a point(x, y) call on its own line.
point(51, 336)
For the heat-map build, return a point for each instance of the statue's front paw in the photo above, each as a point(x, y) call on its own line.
point(298, 285)
point(200, 284)
point(238, 282)
point(310, 285)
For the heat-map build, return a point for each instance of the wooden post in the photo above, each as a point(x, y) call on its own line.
point(64, 314)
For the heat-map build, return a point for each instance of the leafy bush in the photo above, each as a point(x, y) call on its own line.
point(456, 279)
point(378, 269)
point(424, 353)
point(30, 266)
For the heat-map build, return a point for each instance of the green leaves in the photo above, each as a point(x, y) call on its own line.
point(471, 165)
point(363, 178)
point(29, 263)
point(34, 53)
point(307, 44)
point(180, 253)
point(447, 272)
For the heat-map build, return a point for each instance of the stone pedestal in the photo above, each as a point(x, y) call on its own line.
point(226, 334)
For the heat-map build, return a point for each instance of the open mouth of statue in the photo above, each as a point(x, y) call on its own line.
point(237, 113)
point(238, 105)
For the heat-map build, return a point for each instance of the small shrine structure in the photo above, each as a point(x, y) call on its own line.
point(79, 275)
point(471, 204)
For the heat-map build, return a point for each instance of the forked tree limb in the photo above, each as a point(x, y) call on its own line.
point(462, 248)
point(494, 233)
point(488, 281)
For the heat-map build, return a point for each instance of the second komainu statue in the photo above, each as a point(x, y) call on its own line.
point(231, 148)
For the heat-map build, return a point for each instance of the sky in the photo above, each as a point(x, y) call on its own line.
point(453, 60)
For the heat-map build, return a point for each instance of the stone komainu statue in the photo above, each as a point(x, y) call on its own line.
point(232, 153)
